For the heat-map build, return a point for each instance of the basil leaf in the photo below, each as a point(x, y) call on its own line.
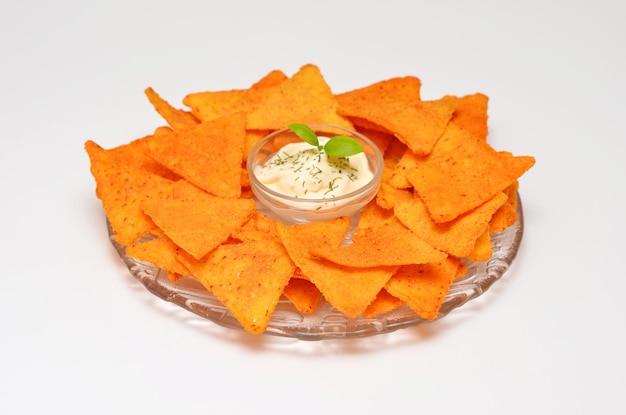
point(305, 133)
point(343, 146)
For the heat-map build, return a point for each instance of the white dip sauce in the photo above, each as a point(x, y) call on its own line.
point(302, 171)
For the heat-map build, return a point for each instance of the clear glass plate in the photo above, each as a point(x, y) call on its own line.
point(326, 322)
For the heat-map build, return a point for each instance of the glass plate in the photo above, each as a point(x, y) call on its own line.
point(326, 322)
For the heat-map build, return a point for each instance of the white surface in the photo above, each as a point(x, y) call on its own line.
point(78, 335)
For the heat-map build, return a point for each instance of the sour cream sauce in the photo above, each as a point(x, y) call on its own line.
point(301, 171)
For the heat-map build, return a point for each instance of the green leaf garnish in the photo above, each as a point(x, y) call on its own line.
point(342, 146)
point(305, 133)
point(337, 146)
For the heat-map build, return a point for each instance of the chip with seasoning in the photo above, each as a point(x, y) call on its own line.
point(303, 98)
point(349, 289)
point(248, 278)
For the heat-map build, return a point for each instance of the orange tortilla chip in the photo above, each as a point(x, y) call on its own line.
point(395, 150)
point(373, 215)
point(252, 138)
point(198, 223)
point(303, 294)
point(175, 117)
point(389, 244)
point(210, 105)
point(380, 139)
point(457, 237)
point(383, 303)
point(303, 98)
point(272, 79)
point(135, 155)
point(507, 214)
point(349, 290)
point(424, 287)
point(471, 114)
point(208, 155)
point(388, 197)
point(248, 278)
point(122, 190)
point(417, 124)
point(161, 252)
point(405, 88)
point(258, 228)
point(408, 162)
point(462, 173)
point(482, 249)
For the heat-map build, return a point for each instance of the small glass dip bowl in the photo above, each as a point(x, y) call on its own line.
point(291, 210)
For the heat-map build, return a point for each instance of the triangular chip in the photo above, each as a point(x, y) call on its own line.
point(175, 117)
point(208, 155)
point(199, 223)
point(483, 248)
point(209, 105)
point(464, 172)
point(507, 214)
point(405, 88)
point(417, 124)
point(303, 294)
point(388, 197)
point(471, 114)
point(160, 252)
point(349, 290)
point(304, 98)
point(248, 278)
point(409, 161)
point(457, 237)
point(383, 303)
point(389, 244)
point(424, 287)
point(122, 190)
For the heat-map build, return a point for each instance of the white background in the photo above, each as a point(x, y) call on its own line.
point(79, 336)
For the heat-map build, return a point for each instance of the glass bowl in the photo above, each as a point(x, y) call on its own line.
point(289, 209)
point(326, 322)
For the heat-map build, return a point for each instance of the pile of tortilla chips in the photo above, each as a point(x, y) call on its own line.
point(444, 191)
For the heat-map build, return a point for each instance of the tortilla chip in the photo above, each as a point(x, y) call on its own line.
point(424, 287)
point(395, 150)
point(482, 249)
point(160, 252)
point(388, 197)
point(388, 244)
point(380, 139)
point(252, 138)
point(398, 177)
point(208, 155)
point(457, 237)
point(303, 294)
point(373, 215)
point(175, 117)
point(383, 303)
point(507, 214)
point(122, 190)
point(272, 79)
point(349, 290)
point(248, 278)
point(462, 173)
point(258, 228)
point(135, 155)
point(210, 105)
point(197, 223)
point(303, 98)
point(405, 88)
point(471, 114)
point(417, 124)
